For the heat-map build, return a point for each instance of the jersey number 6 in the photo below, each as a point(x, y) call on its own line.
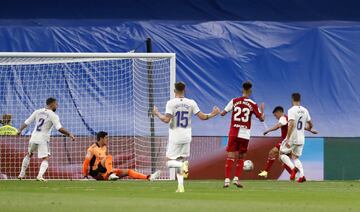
point(299, 124)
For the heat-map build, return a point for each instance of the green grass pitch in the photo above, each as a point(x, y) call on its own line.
point(207, 196)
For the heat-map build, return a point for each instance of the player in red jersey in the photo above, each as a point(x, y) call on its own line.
point(274, 152)
point(239, 135)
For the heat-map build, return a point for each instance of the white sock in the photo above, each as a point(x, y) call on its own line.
point(24, 165)
point(180, 179)
point(174, 164)
point(285, 159)
point(299, 166)
point(44, 165)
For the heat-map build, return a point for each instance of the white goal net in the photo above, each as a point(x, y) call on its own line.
point(111, 92)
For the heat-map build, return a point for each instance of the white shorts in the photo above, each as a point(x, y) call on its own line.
point(175, 151)
point(295, 149)
point(43, 149)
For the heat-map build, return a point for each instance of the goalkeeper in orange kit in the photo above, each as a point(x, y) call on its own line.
point(100, 163)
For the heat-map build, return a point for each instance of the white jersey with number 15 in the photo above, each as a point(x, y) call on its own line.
point(181, 110)
point(301, 116)
point(44, 119)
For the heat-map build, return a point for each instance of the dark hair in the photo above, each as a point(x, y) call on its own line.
point(247, 85)
point(180, 86)
point(100, 135)
point(278, 109)
point(50, 100)
point(296, 97)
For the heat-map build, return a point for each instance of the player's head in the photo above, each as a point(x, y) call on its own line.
point(102, 137)
point(296, 98)
point(246, 88)
point(6, 119)
point(179, 88)
point(278, 112)
point(52, 104)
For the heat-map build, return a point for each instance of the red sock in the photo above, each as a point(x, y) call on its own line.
point(228, 166)
point(269, 163)
point(287, 168)
point(239, 167)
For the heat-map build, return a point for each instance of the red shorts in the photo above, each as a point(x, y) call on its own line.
point(236, 144)
point(277, 146)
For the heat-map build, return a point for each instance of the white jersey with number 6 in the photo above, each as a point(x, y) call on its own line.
point(44, 119)
point(301, 116)
point(181, 110)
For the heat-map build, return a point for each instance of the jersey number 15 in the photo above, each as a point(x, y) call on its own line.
point(182, 119)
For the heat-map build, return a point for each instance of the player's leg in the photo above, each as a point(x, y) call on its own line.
point(284, 151)
point(136, 175)
point(243, 146)
point(26, 161)
point(232, 148)
point(297, 152)
point(44, 153)
point(107, 167)
point(286, 167)
point(43, 167)
point(273, 154)
point(178, 164)
point(176, 153)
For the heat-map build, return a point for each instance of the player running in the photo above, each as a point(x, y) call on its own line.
point(293, 144)
point(45, 119)
point(239, 135)
point(274, 152)
point(101, 163)
point(178, 113)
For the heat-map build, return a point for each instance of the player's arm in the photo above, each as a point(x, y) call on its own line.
point(228, 108)
point(56, 122)
point(274, 128)
point(312, 130)
point(26, 123)
point(66, 133)
point(86, 163)
point(291, 124)
point(309, 125)
point(259, 112)
point(282, 122)
point(206, 116)
point(166, 118)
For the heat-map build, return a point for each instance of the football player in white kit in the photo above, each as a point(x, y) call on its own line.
point(45, 119)
point(178, 113)
point(298, 120)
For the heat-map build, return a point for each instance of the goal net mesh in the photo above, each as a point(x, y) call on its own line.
point(94, 94)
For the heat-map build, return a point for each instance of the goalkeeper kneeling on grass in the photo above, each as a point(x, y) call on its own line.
point(100, 163)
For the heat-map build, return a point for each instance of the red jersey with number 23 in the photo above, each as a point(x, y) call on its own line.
point(242, 110)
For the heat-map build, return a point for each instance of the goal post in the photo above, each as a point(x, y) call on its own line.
point(95, 91)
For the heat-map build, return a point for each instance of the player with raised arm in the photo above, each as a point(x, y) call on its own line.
point(239, 135)
point(45, 119)
point(178, 113)
point(100, 163)
point(298, 120)
point(274, 152)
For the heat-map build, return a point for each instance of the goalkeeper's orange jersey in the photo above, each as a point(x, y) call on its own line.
point(94, 155)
